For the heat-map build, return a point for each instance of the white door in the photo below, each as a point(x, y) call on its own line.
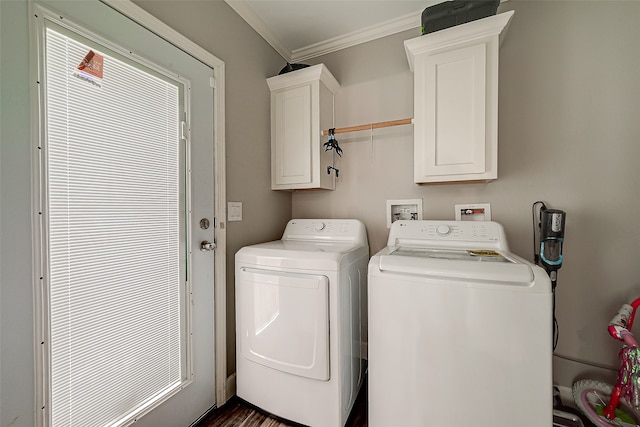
point(185, 388)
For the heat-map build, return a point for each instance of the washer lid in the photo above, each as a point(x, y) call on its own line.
point(302, 254)
point(468, 264)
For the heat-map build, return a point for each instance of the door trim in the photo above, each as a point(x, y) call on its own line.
point(145, 19)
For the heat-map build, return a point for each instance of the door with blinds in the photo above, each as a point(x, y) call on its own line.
point(126, 296)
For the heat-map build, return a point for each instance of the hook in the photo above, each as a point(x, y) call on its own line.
point(332, 143)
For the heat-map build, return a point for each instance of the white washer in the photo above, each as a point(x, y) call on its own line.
point(460, 330)
point(301, 321)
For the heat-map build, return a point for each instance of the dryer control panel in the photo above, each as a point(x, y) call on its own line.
point(329, 230)
point(485, 234)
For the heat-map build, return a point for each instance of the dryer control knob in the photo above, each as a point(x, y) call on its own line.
point(319, 226)
point(443, 230)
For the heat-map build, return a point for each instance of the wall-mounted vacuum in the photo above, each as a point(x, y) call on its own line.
point(548, 254)
point(551, 240)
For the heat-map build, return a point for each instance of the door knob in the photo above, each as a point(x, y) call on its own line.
point(206, 246)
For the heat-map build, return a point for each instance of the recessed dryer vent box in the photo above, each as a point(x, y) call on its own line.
point(473, 212)
point(403, 209)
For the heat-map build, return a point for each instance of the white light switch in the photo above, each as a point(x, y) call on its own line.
point(234, 211)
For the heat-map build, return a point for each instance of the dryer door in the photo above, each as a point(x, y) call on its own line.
point(283, 321)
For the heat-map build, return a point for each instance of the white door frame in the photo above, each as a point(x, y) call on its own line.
point(142, 17)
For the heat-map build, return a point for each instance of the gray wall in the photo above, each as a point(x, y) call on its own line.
point(568, 135)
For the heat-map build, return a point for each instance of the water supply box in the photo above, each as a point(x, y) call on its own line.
point(456, 12)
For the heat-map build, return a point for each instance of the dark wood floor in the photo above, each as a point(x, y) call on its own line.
point(238, 413)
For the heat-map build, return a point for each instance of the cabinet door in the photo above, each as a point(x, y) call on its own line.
point(453, 107)
point(292, 136)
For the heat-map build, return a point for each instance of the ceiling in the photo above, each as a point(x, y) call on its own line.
point(303, 29)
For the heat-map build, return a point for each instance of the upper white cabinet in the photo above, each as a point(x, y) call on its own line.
point(301, 108)
point(456, 101)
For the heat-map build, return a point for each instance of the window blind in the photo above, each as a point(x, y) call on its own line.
point(115, 207)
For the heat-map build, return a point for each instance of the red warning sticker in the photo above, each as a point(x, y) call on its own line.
point(92, 64)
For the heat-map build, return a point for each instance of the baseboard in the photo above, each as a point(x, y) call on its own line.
point(230, 387)
point(566, 396)
point(568, 370)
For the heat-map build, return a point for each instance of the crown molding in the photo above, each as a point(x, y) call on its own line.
point(393, 26)
point(373, 32)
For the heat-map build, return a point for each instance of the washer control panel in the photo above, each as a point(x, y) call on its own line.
point(448, 233)
point(443, 230)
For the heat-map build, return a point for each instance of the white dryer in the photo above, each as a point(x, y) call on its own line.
point(460, 330)
point(301, 321)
